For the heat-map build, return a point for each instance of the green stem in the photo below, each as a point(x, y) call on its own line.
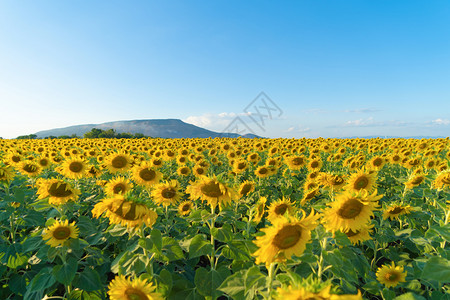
point(271, 275)
point(211, 227)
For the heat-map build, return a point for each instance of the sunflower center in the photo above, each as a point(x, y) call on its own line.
point(29, 168)
point(377, 162)
point(297, 161)
point(61, 233)
point(396, 210)
point(351, 233)
point(350, 209)
point(446, 180)
point(186, 207)
point(184, 171)
point(168, 193)
point(211, 189)
point(314, 164)
point(391, 276)
point(15, 159)
point(131, 215)
point(119, 188)
point(287, 237)
point(281, 209)
point(417, 180)
point(147, 174)
point(119, 162)
point(135, 294)
point(361, 183)
point(43, 162)
point(263, 171)
point(246, 189)
point(75, 166)
point(200, 171)
point(241, 165)
point(337, 180)
point(60, 190)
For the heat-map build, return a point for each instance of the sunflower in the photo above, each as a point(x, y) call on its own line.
point(263, 172)
point(185, 208)
point(199, 171)
point(286, 237)
point(314, 165)
point(246, 188)
point(93, 171)
point(29, 168)
point(44, 162)
point(211, 190)
point(74, 167)
point(122, 288)
point(259, 208)
point(291, 293)
point(295, 162)
point(308, 195)
point(145, 175)
point(360, 235)
point(58, 191)
point(279, 208)
point(118, 162)
point(128, 213)
point(334, 182)
point(394, 211)
point(414, 181)
point(183, 171)
point(118, 186)
point(6, 174)
point(362, 180)
point(350, 211)
point(14, 158)
point(239, 166)
point(166, 193)
point(391, 275)
point(442, 180)
point(376, 163)
point(59, 232)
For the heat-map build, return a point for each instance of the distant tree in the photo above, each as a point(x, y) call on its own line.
point(51, 137)
point(108, 134)
point(74, 136)
point(63, 137)
point(139, 135)
point(27, 137)
point(93, 134)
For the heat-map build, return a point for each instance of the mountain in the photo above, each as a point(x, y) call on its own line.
point(163, 128)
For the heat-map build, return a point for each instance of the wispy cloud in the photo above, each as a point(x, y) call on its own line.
point(213, 121)
point(441, 122)
point(371, 122)
point(298, 129)
point(352, 111)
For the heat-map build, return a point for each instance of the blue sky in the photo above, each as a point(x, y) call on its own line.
point(334, 68)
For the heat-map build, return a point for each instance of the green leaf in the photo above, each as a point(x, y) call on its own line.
point(442, 231)
point(164, 282)
point(88, 280)
point(199, 246)
point(409, 296)
point(17, 283)
point(223, 234)
point(207, 282)
point(66, 273)
point(44, 279)
point(32, 243)
point(437, 268)
point(156, 238)
point(244, 283)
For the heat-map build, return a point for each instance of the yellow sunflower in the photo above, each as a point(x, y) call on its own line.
point(58, 191)
point(394, 211)
point(314, 165)
point(291, 293)
point(308, 195)
point(145, 175)
point(199, 171)
point(6, 174)
point(360, 235)
point(119, 210)
point(59, 232)
point(118, 162)
point(118, 186)
point(29, 168)
point(211, 190)
point(362, 180)
point(376, 163)
point(350, 211)
point(122, 288)
point(442, 180)
point(259, 209)
point(166, 193)
point(239, 166)
point(279, 208)
point(185, 208)
point(246, 188)
point(295, 162)
point(263, 172)
point(73, 167)
point(391, 275)
point(183, 171)
point(414, 181)
point(286, 237)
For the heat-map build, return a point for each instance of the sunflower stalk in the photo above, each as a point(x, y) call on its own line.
point(270, 281)
point(211, 227)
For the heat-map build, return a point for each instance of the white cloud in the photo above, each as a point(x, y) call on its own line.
point(360, 122)
point(213, 121)
point(298, 129)
point(441, 122)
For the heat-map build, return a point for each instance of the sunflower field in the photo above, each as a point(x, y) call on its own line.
point(150, 218)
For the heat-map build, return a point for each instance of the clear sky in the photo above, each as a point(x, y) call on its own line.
point(333, 68)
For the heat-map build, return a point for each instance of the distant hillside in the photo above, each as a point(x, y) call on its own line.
point(163, 128)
